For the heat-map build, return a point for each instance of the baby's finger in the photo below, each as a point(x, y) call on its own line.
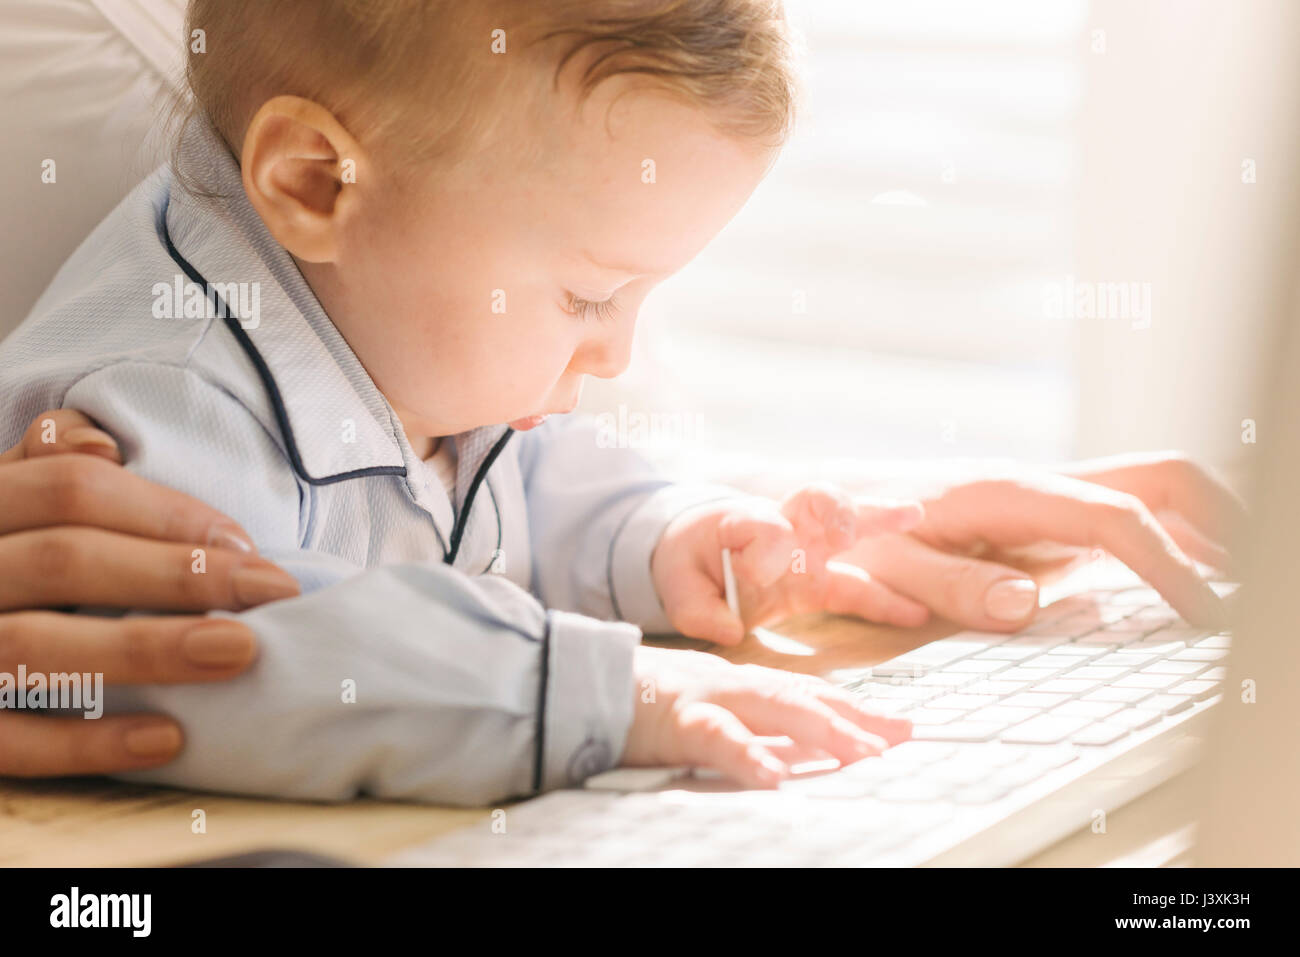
point(805, 719)
point(820, 509)
point(711, 736)
point(893, 730)
point(697, 609)
point(762, 544)
point(876, 516)
point(852, 591)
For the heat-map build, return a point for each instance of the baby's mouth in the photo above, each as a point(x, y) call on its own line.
point(528, 422)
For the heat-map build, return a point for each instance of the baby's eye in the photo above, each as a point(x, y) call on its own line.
point(585, 309)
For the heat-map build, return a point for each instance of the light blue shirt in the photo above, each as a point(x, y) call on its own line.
point(502, 672)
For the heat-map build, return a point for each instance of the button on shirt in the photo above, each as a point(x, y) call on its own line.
point(467, 626)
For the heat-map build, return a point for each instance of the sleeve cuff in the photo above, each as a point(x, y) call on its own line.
point(631, 586)
point(589, 690)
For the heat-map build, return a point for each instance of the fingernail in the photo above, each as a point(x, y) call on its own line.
point(261, 582)
point(153, 741)
point(230, 537)
point(1011, 600)
point(218, 644)
point(83, 436)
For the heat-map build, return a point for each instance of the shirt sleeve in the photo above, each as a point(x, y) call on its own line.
point(596, 512)
point(411, 681)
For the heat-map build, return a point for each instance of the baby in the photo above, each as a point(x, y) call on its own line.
point(394, 239)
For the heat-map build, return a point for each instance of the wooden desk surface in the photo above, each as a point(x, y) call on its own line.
point(93, 822)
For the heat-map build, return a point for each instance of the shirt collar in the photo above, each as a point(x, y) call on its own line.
point(335, 423)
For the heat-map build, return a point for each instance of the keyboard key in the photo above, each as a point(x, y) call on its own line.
point(1000, 714)
point(1098, 672)
point(831, 786)
point(938, 653)
point(963, 731)
point(1133, 627)
point(917, 752)
point(976, 666)
point(1222, 642)
point(1028, 674)
point(1215, 674)
point(1138, 596)
point(1044, 729)
point(1099, 735)
point(1126, 659)
point(1041, 642)
point(1134, 719)
point(1166, 703)
point(1197, 690)
point(881, 690)
point(1171, 667)
point(1054, 662)
point(1144, 680)
point(1035, 700)
point(1096, 710)
point(926, 715)
point(996, 687)
point(907, 790)
point(1005, 653)
point(943, 679)
point(1070, 685)
point(964, 702)
point(1200, 654)
point(1159, 648)
point(983, 793)
point(1122, 695)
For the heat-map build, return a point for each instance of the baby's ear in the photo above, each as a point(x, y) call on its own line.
point(298, 163)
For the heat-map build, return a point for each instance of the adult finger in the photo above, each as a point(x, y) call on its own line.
point(1171, 482)
point(40, 746)
point(853, 591)
point(972, 592)
point(76, 565)
point(84, 490)
point(139, 650)
point(58, 431)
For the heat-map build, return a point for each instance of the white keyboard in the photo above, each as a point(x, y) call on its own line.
point(1018, 741)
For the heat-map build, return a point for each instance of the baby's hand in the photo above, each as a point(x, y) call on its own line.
point(697, 709)
point(780, 555)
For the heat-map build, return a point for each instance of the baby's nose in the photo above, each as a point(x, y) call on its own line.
point(604, 356)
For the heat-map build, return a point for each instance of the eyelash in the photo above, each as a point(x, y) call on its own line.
point(584, 308)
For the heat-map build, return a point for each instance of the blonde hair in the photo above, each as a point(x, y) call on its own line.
point(410, 77)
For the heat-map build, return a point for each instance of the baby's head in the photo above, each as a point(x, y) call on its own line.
point(482, 192)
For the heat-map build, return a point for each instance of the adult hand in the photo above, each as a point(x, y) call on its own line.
point(77, 529)
point(986, 543)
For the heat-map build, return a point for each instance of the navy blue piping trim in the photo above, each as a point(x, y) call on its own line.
point(497, 509)
point(458, 530)
point(539, 741)
point(268, 380)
